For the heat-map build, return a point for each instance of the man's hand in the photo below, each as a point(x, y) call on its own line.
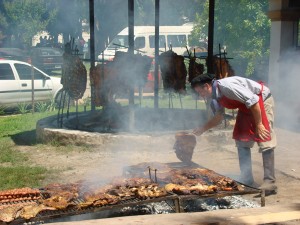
point(198, 131)
point(214, 121)
point(262, 132)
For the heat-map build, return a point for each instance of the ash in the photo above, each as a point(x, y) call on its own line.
point(229, 202)
point(199, 205)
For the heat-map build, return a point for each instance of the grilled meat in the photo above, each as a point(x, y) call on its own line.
point(30, 211)
point(187, 189)
point(21, 194)
point(150, 191)
point(184, 146)
point(9, 213)
point(99, 199)
point(199, 181)
point(74, 76)
point(195, 69)
point(173, 71)
point(58, 202)
point(117, 77)
point(177, 189)
point(61, 196)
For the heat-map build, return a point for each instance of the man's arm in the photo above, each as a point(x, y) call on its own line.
point(261, 131)
point(214, 121)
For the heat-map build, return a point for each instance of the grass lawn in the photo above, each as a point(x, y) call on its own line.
point(15, 168)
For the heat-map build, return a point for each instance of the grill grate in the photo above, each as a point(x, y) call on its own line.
point(177, 200)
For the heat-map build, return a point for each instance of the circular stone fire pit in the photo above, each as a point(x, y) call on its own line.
point(99, 127)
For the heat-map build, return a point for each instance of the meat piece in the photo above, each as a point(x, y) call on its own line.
point(19, 194)
point(57, 202)
point(68, 191)
point(150, 191)
point(30, 211)
point(195, 69)
point(222, 68)
point(106, 199)
point(74, 76)
point(136, 182)
point(177, 189)
point(100, 199)
point(116, 78)
point(200, 181)
point(61, 195)
point(9, 213)
point(184, 146)
point(203, 189)
point(173, 71)
point(104, 78)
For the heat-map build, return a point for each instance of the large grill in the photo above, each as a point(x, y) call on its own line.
point(172, 199)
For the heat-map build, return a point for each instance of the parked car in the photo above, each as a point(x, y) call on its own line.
point(47, 58)
point(16, 84)
point(14, 54)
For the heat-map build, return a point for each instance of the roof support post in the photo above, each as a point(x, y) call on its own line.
point(92, 48)
point(131, 52)
point(210, 48)
point(156, 77)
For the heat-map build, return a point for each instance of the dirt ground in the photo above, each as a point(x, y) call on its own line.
point(214, 150)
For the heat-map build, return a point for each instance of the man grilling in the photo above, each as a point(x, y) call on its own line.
point(254, 121)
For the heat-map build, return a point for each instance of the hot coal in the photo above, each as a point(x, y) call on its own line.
point(198, 205)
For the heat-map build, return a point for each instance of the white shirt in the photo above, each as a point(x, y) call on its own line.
point(240, 89)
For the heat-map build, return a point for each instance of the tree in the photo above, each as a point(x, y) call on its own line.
point(243, 27)
point(68, 19)
point(21, 20)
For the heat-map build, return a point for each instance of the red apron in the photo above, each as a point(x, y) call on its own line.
point(244, 129)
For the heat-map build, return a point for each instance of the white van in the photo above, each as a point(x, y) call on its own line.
point(175, 37)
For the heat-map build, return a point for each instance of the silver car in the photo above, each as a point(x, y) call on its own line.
point(16, 84)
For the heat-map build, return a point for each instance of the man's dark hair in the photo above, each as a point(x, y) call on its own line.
point(202, 79)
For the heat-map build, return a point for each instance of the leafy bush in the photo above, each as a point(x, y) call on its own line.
point(23, 107)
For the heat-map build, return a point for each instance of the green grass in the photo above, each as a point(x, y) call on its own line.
point(8, 155)
point(15, 168)
point(14, 124)
point(21, 176)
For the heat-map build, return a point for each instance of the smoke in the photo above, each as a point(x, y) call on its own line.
point(124, 150)
point(285, 88)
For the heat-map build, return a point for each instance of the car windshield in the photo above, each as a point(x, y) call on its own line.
point(120, 41)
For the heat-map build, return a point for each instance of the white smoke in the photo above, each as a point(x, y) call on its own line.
point(286, 91)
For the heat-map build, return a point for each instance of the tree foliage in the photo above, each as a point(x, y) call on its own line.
point(21, 20)
point(243, 27)
point(69, 17)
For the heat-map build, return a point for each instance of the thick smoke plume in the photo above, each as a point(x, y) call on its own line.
point(286, 91)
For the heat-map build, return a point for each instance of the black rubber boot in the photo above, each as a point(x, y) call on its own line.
point(269, 173)
point(245, 166)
